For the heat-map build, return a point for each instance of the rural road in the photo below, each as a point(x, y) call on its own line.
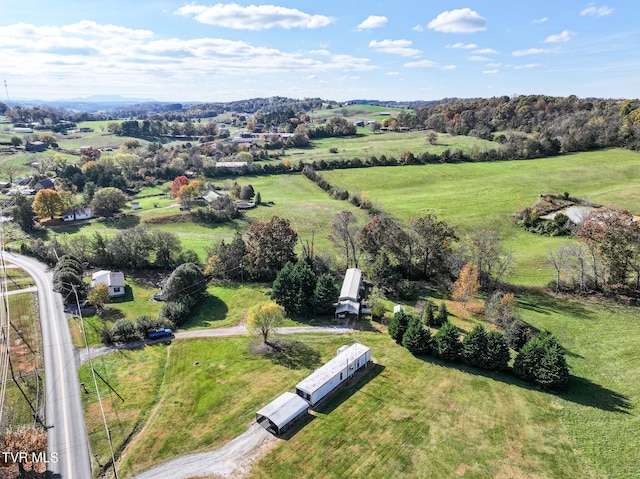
point(64, 415)
point(97, 351)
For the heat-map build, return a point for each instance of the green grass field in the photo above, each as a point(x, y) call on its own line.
point(408, 418)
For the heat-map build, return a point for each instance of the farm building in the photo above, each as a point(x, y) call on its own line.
point(327, 378)
point(114, 281)
point(349, 300)
point(282, 413)
point(35, 146)
point(77, 214)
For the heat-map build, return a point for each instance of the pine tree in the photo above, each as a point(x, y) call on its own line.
point(446, 344)
point(305, 284)
point(442, 316)
point(474, 347)
point(284, 290)
point(428, 315)
point(541, 362)
point(398, 326)
point(498, 356)
point(325, 294)
point(417, 338)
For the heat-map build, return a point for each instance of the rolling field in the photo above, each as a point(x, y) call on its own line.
point(469, 196)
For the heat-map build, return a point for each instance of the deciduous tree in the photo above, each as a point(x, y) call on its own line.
point(47, 204)
point(107, 201)
point(178, 183)
point(432, 240)
point(263, 319)
point(270, 245)
point(344, 234)
point(466, 285)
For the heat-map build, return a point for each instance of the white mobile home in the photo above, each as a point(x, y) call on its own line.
point(325, 379)
point(349, 300)
point(282, 413)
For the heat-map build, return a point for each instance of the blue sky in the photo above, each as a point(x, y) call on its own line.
point(413, 50)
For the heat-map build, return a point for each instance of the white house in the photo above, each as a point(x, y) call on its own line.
point(325, 379)
point(77, 214)
point(113, 279)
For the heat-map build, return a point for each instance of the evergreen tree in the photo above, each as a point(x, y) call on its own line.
point(325, 295)
point(446, 344)
point(417, 338)
point(398, 326)
point(442, 316)
point(23, 213)
point(498, 356)
point(474, 347)
point(305, 280)
point(284, 290)
point(541, 362)
point(429, 314)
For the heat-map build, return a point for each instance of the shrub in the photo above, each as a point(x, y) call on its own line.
point(446, 344)
point(124, 331)
point(145, 323)
point(175, 312)
point(541, 362)
point(407, 290)
point(517, 334)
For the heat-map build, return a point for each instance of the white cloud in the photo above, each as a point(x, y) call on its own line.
point(540, 20)
point(479, 58)
point(491, 72)
point(373, 21)
point(448, 67)
point(594, 11)
point(494, 65)
point(485, 51)
point(467, 46)
point(462, 20)
point(418, 28)
point(421, 64)
point(529, 51)
point(395, 47)
point(561, 37)
point(253, 17)
point(392, 74)
point(528, 65)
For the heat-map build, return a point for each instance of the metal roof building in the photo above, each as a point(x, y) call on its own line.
point(351, 285)
point(282, 412)
point(325, 379)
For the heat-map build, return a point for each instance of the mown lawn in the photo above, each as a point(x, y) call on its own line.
point(408, 417)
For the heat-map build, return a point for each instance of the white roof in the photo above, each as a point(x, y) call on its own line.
point(348, 306)
point(323, 374)
point(110, 278)
point(284, 409)
point(351, 284)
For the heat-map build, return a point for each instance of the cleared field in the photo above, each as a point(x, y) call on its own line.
point(368, 144)
point(485, 195)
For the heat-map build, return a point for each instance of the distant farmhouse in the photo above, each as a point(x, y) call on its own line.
point(77, 214)
point(114, 281)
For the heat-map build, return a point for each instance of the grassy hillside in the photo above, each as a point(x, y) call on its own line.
point(485, 195)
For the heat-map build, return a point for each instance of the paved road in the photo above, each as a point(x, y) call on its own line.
point(97, 351)
point(64, 416)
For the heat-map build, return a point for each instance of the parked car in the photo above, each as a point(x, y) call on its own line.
point(159, 333)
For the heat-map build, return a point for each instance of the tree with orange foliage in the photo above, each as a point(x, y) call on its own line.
point(178, 183)
point(466, 285)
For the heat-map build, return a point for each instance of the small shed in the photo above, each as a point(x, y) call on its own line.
point(113, 279)
point(327, 378)
point(35, 146)
point(282, 413)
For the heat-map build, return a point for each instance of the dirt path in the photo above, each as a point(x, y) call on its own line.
point(97, 351)
point(234, 459)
